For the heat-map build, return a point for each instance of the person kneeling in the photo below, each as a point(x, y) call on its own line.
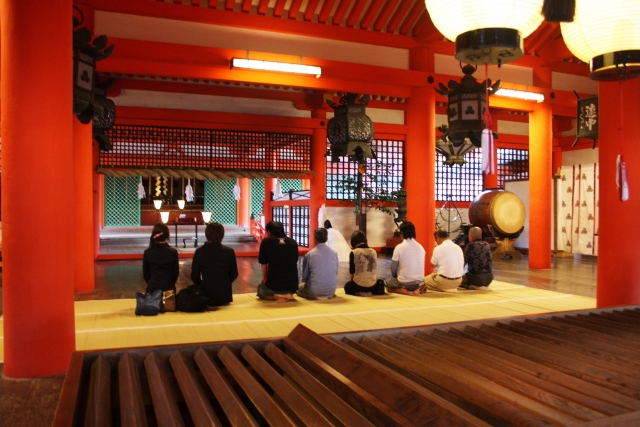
point(448, 260)
point(278, 258)
point(319, 269)
point(477, 255)
point(363, 265)
point(407, 263)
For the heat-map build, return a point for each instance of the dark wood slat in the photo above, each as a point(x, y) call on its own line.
point(132, 411)
point(377, 412)
point(592, 347)
point(418, 405)
point(68, 404)
point(510, 378)
point(484, 382)
point(435, 388)
point(598, 327)
point(236, 411)
point(553, 360)
point(302, 409)
point(580, 333)
point(624, 321)
point(503, 410)
point(626, 420)
point(274, 415)
point(607, 325)
point(571, 388)
point(164, 400)
point(200, 409)
point(334, 404)
point(98, 412)
point(617, 374)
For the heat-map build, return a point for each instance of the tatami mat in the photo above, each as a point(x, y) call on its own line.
point(102, 324)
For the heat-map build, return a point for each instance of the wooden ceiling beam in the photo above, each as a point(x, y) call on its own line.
point(399, 14)
point(294, 9)
point(371, 12)
point(416, 11)
point(263, 6)
point(383, 17)
point(310, 11)
point(278, 9)
point(325, 11)
point(341, 11)
point(354, 15)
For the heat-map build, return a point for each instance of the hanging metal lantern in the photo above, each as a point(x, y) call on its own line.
point(350, 131)
point(465, 110)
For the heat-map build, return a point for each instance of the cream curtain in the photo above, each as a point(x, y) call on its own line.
point(578, 209)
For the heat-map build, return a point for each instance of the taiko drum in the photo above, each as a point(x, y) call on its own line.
point(501, 209)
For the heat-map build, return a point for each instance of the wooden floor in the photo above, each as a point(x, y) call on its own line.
point(32, 402)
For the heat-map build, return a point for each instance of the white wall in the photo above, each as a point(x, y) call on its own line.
point(579, 157)
point(380, 226)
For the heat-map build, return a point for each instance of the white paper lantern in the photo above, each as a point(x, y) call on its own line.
point(606, 34)
point(489, 31)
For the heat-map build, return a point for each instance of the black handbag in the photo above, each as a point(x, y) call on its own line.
point(148, 304)
point(192, 299)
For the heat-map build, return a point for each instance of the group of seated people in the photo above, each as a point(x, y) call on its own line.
point(214, 265)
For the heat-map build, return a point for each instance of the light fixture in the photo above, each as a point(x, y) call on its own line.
point(181, 204)
point(281, 67)
point(158, 204)
point(520, 94)
point(607, 36)
point(206, 217)
point(490, 31)
point(165, 216)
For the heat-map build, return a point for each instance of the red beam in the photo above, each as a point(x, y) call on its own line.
point(338, 16)
point(263, 6)
point(381, 20)
point(325, 11)
point(279, 8)
point(246, 5)
point(401, 11)
point(310, 11)
point(418, 9)
point(355, 13)
point(294, 8)
point(229, 4)
point(371, 12)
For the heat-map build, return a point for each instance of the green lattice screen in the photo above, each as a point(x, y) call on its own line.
point(290, 184)
point(218, 198)
point(121, 203)
point(257, 195)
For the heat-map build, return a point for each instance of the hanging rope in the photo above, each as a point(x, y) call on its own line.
point(488, 163)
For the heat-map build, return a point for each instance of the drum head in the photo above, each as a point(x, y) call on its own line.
point(507, 212)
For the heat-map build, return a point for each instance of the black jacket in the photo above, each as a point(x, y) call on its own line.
point(160, 268)
point(214, 267)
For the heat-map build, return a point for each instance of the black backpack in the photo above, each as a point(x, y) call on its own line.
point(192, 299)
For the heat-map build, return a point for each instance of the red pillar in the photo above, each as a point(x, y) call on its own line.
point(37, 187)
point(420, 155)
point(84, 279)
point(306, 184)
point(318, 189)
point(540, 175)
point(618, 267)
point(98, 196)
point(269, 185)
point(244, 204)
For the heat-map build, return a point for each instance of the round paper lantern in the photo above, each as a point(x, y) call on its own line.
point(490, 31)
point(606, 34)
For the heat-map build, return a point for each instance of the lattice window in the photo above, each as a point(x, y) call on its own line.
point(153, 146)
point(290, 184)
point(459, 183)
point(257, 196)
point(300, 225)
point(512, 165)
point(121, 203)
point(279, 213)
point(219, 200)
point(389, 153)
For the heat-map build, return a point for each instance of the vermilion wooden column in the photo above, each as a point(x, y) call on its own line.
point(84, 279)
point(318, 188)
point(37, 187)
point(269, 185)
point(420, 155)
point(619, 234)
point(244, 204)
point(540, 179)
point(98, 197)
point(306, 184)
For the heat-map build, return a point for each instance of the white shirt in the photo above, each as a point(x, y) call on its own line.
point(448, 259)
point(410, 257)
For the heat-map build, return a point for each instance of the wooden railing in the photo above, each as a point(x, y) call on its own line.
point(257, 230)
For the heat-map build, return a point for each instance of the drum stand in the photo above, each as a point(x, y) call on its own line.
point(505, 247)
point(450, 205)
